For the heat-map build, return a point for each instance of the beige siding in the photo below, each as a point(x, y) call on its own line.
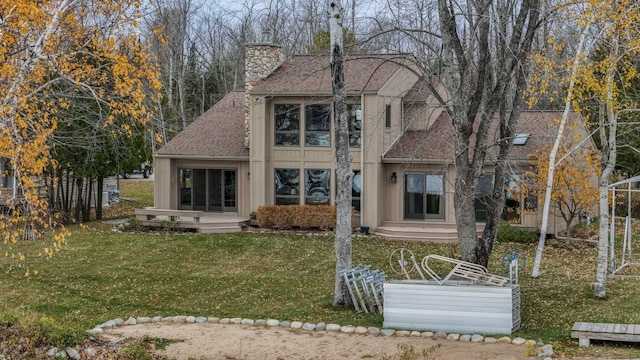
point(164, 195)
point(394, 197)
point(265, 157)
point(261, 135)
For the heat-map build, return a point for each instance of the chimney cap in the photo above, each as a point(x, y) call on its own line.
point(266, 36)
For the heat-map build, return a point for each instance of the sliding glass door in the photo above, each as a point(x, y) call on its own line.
point(423, 196)
point(208, 190)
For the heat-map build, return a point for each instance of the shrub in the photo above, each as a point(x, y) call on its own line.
point(508, 233)
point(46, 331)
point(137, 350)
point(29, 334)
point(285, 217)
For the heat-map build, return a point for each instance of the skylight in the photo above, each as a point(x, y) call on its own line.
point(520, 139)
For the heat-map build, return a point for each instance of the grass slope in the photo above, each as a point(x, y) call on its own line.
point(101, 274)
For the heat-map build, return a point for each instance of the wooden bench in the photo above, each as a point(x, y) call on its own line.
point(585, 331)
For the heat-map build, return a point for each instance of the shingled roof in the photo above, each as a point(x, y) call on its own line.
point(219, 132)
point(436, 145)
point(311, 74)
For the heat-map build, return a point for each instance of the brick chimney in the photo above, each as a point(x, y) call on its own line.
point(260, 60)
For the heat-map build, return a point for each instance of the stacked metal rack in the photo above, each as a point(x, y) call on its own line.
point(365, 287)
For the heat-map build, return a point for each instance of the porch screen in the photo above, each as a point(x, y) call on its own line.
point(185, 187)
point(208, 190)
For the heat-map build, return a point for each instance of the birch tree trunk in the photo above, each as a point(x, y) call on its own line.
point(341, 296)
point(552, 158)
point(609, 154)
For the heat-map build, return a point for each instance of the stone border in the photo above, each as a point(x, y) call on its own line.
point(542, 350)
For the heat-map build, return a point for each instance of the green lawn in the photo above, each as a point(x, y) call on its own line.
point(101, 274)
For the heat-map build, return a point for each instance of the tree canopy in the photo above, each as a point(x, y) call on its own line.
point(64, 61)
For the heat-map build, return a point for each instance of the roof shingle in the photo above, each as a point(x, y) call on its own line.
point(311, 74)
point(217, 132)
point(436, 145)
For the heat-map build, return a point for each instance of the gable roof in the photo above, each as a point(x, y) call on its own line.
point(218, 132)
point(311, 74)
point(420, 91)
point(436, 145)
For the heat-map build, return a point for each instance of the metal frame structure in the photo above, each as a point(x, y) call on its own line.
point(626, 256)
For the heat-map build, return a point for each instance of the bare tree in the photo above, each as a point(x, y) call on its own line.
point(172, 34)
point(485, 48)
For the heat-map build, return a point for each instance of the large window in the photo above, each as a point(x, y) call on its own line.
point(287, 186)
point(514, 201)
point(315, 126)
point(317, 187)
point(287, 124)
point(355, 125)
point(318, 125)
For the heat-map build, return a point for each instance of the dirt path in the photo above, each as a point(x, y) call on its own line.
point(217, 341)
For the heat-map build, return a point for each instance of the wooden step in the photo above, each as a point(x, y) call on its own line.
point(219, 229)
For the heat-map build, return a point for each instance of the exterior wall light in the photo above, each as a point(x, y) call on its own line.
point(394, 177)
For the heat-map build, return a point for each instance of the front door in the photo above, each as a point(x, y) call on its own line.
point(208, 190)
point(423, 196)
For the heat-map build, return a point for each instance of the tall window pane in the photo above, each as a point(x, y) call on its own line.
point(387, 116)
point(185, 187)
point(511, 211)
point(483, 194)
point(318, 125)
point(6, 176)
point(287, 184)
point(435, 190)
point(317, 187)
point(355, 124)
point(356, 189)
point(287, 124)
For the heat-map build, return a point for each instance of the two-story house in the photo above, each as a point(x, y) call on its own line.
point(273, 144)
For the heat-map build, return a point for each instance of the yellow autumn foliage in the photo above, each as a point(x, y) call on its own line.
point(574, 190)
point(92, 44)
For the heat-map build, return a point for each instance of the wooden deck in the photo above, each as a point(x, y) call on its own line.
point(200, 221)
point(586, 331)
